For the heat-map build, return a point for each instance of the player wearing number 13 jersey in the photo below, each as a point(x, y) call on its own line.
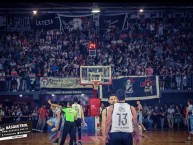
point(122, 118)
point(121, 122)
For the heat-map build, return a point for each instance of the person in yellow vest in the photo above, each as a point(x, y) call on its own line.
point(69, 125)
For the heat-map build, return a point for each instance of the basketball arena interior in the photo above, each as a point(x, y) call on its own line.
point(58, 52)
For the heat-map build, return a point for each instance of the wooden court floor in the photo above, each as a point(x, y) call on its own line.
point(156, 137)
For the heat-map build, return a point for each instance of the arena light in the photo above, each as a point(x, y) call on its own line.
point(53, 95)
point(141, 10)
point(96, 9)
point(20, 95)
point(35, 12)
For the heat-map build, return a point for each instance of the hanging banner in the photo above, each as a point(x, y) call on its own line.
point(110, 21)
point(46, 22)
point(52, 82)
point(136, 87)
point(74, 22)
point(18, 23)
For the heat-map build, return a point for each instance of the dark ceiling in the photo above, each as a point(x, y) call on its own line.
point(85, 7)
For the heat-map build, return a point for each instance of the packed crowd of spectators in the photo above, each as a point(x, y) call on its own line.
point(162, 116)
point(165, 116)
point(154, 46)
point(23, 112)
point(17, 112)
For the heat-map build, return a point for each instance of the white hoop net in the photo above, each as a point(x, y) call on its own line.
point(96, 84)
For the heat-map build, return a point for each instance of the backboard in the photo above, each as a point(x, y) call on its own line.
point(88, 74)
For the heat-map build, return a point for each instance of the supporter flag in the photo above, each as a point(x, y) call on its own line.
point(18, 23)
point(95, 104)
point(74, 22)
point(136, 87)
point(46, 22)
point(111, 20)
point(133, 16)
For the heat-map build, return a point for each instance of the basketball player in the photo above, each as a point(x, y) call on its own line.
point(121, 122)
point(61, 121)
point(189, 118)
point(55, 120)
point(80, 118)
point(69, 125)
point(112, 100)
point(139, 115)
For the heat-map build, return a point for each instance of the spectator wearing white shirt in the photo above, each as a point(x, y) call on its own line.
point(17, 114)
point(170, 117)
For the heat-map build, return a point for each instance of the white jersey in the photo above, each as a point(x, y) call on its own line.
point(122, 118)
point(107, 108)
point(78, 108)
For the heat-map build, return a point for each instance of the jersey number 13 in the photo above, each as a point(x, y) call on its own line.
point(122, 119)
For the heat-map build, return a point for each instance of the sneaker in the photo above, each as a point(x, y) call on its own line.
point(188, 139)
point(56, 141)
point(144, 130)
point(53, 129)
point(80, 142)
point(75, 143)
